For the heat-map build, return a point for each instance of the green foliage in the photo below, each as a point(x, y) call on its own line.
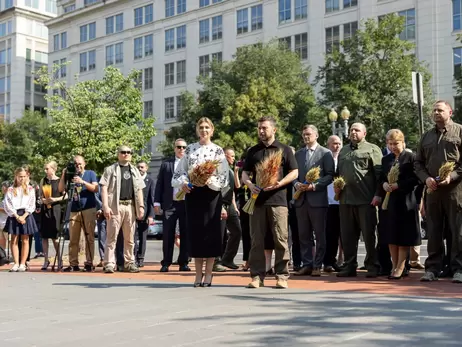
point(372, 76)
point(21, 143)
point(94, 117)
point(265, 79)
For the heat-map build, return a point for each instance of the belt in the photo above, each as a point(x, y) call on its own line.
point(126, 202)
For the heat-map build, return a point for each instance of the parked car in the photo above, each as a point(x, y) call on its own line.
point(156, 229)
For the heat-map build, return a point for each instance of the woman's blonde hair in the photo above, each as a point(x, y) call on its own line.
point(52, 164)
point(204, 120)
point(395, 135)
point(16, 183)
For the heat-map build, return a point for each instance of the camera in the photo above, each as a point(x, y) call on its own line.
point(71, 171)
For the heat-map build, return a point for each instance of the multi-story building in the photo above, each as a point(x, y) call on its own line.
point(23, 49)
point(173, 41)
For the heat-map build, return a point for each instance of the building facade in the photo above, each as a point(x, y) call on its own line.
point(23, 49)
point(173, 41)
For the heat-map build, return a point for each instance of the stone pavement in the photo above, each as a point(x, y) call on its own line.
point(163, 310)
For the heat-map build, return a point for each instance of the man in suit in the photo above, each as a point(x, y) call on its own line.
point(312, 204)
point(142, 225)
point(173, 211)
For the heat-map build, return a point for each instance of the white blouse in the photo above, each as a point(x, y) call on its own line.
point(20, 201)
point(196, 154)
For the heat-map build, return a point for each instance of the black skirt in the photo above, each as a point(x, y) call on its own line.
point(50, 221)
point(15, 228)
point(203, 214)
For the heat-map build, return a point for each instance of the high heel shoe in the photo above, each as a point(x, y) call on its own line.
point(199, 284)
point(207, 284)
point(394, 277)
point(45, 265)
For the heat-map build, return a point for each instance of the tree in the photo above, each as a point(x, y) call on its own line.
point(21, 143)
point(264, 79)
point(371, 74)
point(93, 118)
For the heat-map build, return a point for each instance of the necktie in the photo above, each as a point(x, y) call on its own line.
point(309, 153)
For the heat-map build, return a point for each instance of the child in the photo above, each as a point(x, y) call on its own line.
point(20, 205)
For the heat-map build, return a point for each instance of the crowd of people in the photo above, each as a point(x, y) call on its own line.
point(315, 226)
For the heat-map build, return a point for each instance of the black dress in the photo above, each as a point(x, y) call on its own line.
point(50, 222)
point(402, 227)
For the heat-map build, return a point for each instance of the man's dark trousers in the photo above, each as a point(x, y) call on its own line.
point(141, 235)
point(170, 217)
point(233, 224)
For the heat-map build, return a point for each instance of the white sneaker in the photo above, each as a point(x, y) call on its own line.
point(22, 268)
point(14, 268)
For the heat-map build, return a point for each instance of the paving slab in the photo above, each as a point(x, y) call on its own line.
point(151, 309)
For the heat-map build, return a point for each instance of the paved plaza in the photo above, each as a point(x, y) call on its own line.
point(164, 310)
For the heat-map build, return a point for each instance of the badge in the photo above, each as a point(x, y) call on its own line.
point(127, 175)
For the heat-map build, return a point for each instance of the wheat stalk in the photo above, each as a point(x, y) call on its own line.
point(339, 183)
point(311, 176)
point(443, 173)
point(392, 178)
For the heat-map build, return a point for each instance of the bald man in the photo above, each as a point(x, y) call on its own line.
point(360, 164)
point(83, 214)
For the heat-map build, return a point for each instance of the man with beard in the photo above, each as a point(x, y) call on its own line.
point(271, 211)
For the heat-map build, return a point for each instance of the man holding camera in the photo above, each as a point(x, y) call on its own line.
point(122, 196)
point(83, 211)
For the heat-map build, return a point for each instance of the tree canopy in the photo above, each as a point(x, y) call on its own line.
point(263, 79)
point(371, 74)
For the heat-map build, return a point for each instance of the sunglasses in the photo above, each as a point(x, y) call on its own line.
point(125, 152)
point(181, 147)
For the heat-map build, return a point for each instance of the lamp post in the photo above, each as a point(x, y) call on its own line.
point(338, 129)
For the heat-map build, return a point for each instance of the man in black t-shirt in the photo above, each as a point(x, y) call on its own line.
point(271, 210)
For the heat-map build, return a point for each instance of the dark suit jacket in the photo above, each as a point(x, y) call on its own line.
point(321, 157)
point(148, 197)
point(164, 190)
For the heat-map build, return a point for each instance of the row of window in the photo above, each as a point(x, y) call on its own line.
point(334, 5)
point(300, 10)
point(40, 57)
point(50, 5)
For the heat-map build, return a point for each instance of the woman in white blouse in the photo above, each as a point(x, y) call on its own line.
point(204, 209)
point(19, 205)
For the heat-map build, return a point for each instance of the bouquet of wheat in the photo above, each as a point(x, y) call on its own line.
point(199, 175)
point(443, 173)
point(392, 178)
point(311, 176)
point(46, 189)
point(339, 183)
point(267, 175)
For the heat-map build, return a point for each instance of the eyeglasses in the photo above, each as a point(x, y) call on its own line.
point(125, 152)
point(181, 147)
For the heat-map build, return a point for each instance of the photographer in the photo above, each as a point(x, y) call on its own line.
point(83, 211)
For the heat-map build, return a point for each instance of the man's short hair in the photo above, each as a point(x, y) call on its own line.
point(142, 162)
point(5, 184)
point(124, 148)
point(227, 149)
point(443, 102)
point(270, 119)
point(180, 139)
point(312, 127)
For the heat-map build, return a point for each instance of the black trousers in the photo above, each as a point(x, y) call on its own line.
point(246, 241)
point(293, 228)
point(171, 216)
point(141, 235)
point(383, 251)
point(233, 225)
point(332, 235)
point(119, 252)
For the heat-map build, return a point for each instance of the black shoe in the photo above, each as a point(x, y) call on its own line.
point(270, 272)
point(336, 267)
point(164, 268)
point(184, 268)
point(347, 273)
point(371, 274)
point(231, 265)
point(89, 268)
point(362, 268)
point(72, 269)
point(175, 263)
point(207, 284)
point(140, 263)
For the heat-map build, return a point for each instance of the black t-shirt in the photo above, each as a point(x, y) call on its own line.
point(126, 183)
point(256, 154)
point(228, 196)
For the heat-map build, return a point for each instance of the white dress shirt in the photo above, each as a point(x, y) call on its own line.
point(330, 189)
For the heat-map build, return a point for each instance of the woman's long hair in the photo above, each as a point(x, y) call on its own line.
point(16, 183)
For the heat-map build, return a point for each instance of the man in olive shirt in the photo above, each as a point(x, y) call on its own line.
point(359, 163)
point(439, 145)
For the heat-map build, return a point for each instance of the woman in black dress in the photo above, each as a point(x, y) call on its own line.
point(50, 213)
point(403, 227)
point(204, 209)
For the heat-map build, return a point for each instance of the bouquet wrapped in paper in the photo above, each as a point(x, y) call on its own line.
point(311, 177)
point(199, 175)
point(339, 183)
point(392, 178)
point(443, 173)
point(46, 189)
point(267, 175)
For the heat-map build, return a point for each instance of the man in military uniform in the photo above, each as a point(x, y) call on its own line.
point(359, 163)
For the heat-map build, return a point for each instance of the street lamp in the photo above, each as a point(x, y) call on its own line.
point(338, 129)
